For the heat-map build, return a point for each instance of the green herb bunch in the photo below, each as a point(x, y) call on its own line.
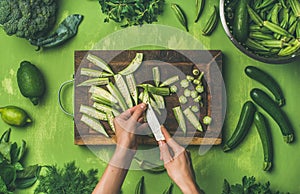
point(132, 12)
point(69, 179)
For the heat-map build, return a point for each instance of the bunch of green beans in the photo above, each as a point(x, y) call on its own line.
point(269, 28)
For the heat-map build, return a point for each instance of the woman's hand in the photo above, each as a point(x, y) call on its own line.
point(178, 165)
point(128, 124)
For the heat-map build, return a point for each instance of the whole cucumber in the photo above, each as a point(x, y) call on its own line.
point(243, 126)
point(240, 23)
point(270, 106)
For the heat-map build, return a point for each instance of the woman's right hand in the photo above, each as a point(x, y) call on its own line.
point(178, 165)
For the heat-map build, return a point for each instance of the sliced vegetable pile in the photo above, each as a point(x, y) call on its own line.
point(267, 28)
point(113, 93)
point(12, 172)
point(132, 12)
point(248, 185)
point(250, 114)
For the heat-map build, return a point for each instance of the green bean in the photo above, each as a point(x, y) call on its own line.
point(211, 23)
point(180, 15)
point(255, 45)
point(254, 16)
point(199, 7)
point(276, 29)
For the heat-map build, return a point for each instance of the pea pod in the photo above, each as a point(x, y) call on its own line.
point(66, 30)
point(180, 15)
point(199, 7)
point(211, 23)
point(139, 189)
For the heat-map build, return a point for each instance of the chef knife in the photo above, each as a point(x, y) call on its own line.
point(154, 124)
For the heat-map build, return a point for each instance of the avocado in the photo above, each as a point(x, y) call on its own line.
point(31, 82)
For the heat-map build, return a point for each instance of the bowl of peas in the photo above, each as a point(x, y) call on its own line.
point(265, 30)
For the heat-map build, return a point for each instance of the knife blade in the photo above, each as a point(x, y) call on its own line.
point(154, 124)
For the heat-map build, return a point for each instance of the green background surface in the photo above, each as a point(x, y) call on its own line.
point(50, 137)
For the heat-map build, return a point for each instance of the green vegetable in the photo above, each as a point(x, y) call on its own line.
point(211, 23)
point(254, 16)
point(254, 45)
point(198, 98)
point(266, 139)
point(199, 89)
point(117, 95)
point(194, 94)
point(195, 108)
point(170, 81)
point(248, 185)
point(94, 124)
point(187, 92)
point(190, 78)
point(131, 83)
point(274, 43)
point(207, 120)
point(266, 80)
point(199, 6)
point(12, 173)
point(101, 93)
point(94, 73)
point(289, 50)
point(295, 5)
point(27, 19)
point(173, 89)
point(162, 91)
point(122, 86)
point(95, 82)
point(139, 189)
point(193, 119)
point(69, 179)
point(66, 30)
point(196, 72)
point(169, 189)
point(105, 109)
point(263, 100)
point(156, 76)
point(134, 12)
point(150, 167)
point(184, 83)
point(242, 128)
point(14, 116)
point(182, 100)
point(134, 65)
point(257, 35)
point(110, 119)
point(31, 82)
point(92, 112)
point(159, 100)
point(276, 29)
point(179, 116)
point(180, 15)
point(240, 24)
point(99, 62)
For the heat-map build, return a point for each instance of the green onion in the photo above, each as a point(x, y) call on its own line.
point(134, 65)
point(94, 124)
point(193, 119)
point(99, 62)
point(156, 76)
point(94, 81)
point(170, 81)
point(180, 118)
point(184, 83)
point(182, 100)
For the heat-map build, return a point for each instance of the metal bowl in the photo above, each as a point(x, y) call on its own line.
point(265, 59)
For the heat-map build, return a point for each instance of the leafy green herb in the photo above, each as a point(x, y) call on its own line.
point(248, 186)
point(69, 179)
point(132, 12)
point(12, 173)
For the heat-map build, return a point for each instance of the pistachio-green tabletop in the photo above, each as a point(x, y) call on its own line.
point(50, 138)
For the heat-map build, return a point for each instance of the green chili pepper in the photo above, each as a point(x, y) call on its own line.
point(211, 23)
point(66, 30)
point(254, 16)
point(180, 15)
point(199, 7)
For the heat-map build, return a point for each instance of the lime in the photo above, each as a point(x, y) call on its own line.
point(31, 82)
point(14, 116)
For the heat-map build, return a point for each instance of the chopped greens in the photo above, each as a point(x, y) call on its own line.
point(132, 12)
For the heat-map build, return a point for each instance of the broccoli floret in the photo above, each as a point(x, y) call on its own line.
point(27, 18)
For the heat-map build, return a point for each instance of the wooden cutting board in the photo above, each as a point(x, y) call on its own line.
point(170, 63)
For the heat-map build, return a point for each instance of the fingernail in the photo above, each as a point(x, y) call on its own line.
point(143, 106)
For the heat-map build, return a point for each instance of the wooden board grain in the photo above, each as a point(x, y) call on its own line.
point(170, 63)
